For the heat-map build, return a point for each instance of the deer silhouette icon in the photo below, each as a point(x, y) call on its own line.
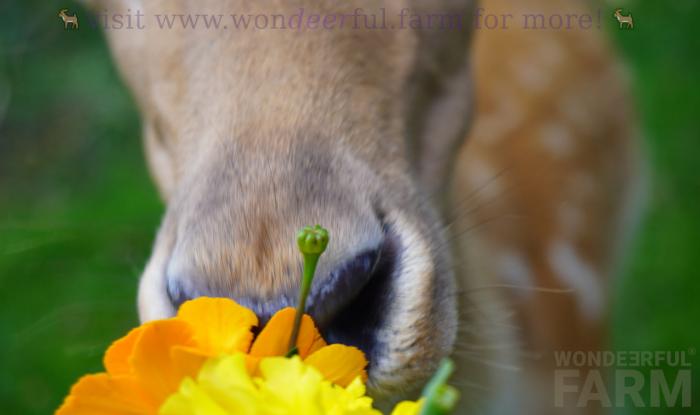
point(68, 19)
point(624, 20)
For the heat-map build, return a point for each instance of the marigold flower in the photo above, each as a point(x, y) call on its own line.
point(152, 369)
point(148, 364)
point(285, 386)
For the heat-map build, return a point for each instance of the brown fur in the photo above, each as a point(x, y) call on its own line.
point(252, 134)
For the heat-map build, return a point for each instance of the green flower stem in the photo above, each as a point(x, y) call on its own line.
point(312, 242)
point(440, 398)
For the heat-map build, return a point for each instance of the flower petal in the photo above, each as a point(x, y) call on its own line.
point(339, 363)
point(223, 387)
point(116, 359)
point(310, 339)
point(227, 373)
point(103, 394)
point(290, 382)
point(286, 386)
point(252, 364)
point(408, 408)
point(220, 325)
point(187, 359)
point(154, 360)
point(273, 340)
point(191, 399)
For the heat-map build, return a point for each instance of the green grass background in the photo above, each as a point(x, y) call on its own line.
point(78, 212)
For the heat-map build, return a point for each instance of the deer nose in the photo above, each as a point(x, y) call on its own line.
point(329, 294)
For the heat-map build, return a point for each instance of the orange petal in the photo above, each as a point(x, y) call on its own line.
point(116, 358)
point(310, 339)
point(252, 364)
point(220, 325)
point(154, 360)
point(103, 394)
point(188, 360)
point(339, 363)
point(273, 340)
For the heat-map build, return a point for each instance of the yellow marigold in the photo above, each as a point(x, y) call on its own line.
point(286, 386)
point(148, 364)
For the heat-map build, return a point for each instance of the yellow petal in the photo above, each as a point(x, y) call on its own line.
point(227, 373)
point(223, 387)
point(408, 408)
point(339, 364)
point(103, 394)
point(290, 380)
point(155, 356)
point(220, 325)
point(116, 358)
point(273, 340)
point(286, 386)
point(191, 399)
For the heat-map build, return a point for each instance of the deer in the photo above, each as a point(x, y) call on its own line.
point(68, 19)
point(624, 20)
point(478, 201)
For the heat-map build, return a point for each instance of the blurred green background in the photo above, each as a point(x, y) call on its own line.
point(78, 211)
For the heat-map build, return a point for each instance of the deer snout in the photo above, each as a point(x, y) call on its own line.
point(383, 284)
point(379, 286)
point(344, 279)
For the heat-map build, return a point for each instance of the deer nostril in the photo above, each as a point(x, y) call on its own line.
point(329, 295)
point(361, 319)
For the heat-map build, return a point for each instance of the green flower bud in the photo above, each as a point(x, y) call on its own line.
point(312, 242)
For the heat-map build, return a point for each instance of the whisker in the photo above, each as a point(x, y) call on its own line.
point(485, 348)
point(458, 212)
point(481, 187)
point(490, 363)
point(546, 290)
point(462, 384)
point(488, 221)
point(456, 235)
